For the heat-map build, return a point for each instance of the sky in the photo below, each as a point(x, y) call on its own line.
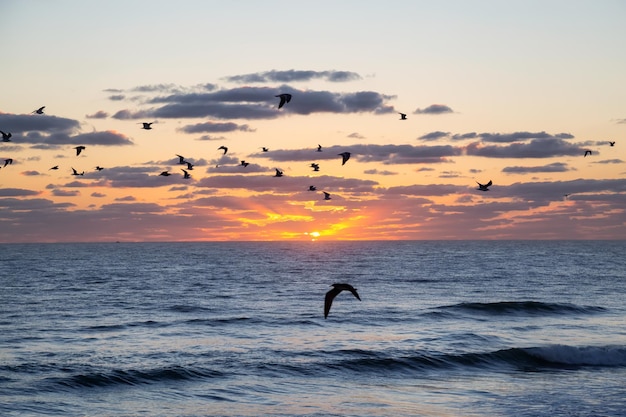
point(510, 92)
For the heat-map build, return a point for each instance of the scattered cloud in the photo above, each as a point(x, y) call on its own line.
point(554, 167)
point(294, 76)
point(100, 114)
point(434, 109)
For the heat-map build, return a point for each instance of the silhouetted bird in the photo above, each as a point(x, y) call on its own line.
point(8, 161)
point(484, 187)
point(402, 116)
point(54, 167)
point(181, 159)
point(587, 152)
point(284, 98)
point(39, 110)
point(326, 195)
point(319, 148)
point(74, 172)
point(146, 125)
point(189, 165)
point(312, 188)
point(79, 149)
point(244, 163)
point(330, 295)
point(6, 137)
point(185, 174)
point(279, 173)
point(264, 149)
point(224, 148)
point(610, 143)
point(345, 156)
point(99, 168)
point(165, 174)
point(316, 167)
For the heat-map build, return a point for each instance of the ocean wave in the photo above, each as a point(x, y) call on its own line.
point(523, 307)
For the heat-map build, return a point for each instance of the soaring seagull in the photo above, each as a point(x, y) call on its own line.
point(326, 195)
point(244, 163)
point(74, 172)
point(319, 148)
point(315, 166)
point(6, 137)
point(165, 174)
point(610, 143)
point(79, 149)
point(185, 174)
point(484, 187)
point(345, 156)
point(99, 168)
point(39, 110)
point(587, 152)
point(402, 116)
point(181, 159)
point(330, 295)
point(147, 126)
point(224, 148)
point(279, 173)
point(312, 188)
point(265, 149)
point(8, 161)
point(284, 98)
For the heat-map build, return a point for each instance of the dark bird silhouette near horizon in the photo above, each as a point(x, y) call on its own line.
point(279, 173)
point(330, 295)
point(79, 149)
point(39, 110)
point(99, 168)
point(6, 136)
point(402, 116)
point(312, 188)
point(146, 125)
point(74, 172)
point(587, 152)
point(8, 161)
point(326, 195)
point(484, 187)
point(165, 174)
point(244, 163)
point(224, 148)
point(54, 167)
point(315, 166)
point(181, 159)
point(345, 156)
point(284, 98)
point(319, 148)
point(185, 174)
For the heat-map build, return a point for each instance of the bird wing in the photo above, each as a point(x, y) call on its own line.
point(328, 300)
point(489, 184)
point(353, 291)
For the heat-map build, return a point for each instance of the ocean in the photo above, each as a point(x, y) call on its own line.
point(444, 328)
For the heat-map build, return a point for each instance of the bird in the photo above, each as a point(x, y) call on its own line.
point(39, 110)
point(265, 149)
point(74, 172)
point(312, 188)
point(345, 156)
point(244, 163)
point(185, 174)
point(165, 174)
point(326, 195)
point(181, 159)
point(189, 165)
point(330, 295)
point(8, 161)
point(54, 167)
point(587, 152)
point(284, 98)
point(6, 137)
point(315, 166)
point(279, 173)
point(146, 125)
point(224, 148)
point(99, 168)
point(484, 187)
point(319, 148)
point(402, 116)
point(610, 143)
point(566, 195)
point(79, 149)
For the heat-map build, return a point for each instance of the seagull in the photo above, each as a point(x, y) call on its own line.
point(189, 165)
point(326, 195)
point(315, 166)
point(402, 116)
point(185, 174)
point(79, 149)
point(165, 174)
point(284, 98)
point(610, 143)
point(99, 168)
point(264, 149)
point(319, 148)
point(224, 148)
point(312, 188)
point(345, 156)
point(147, 126)
point(74, 172)
point(587, 152)
point(54, 167)
point(6, 137)
point(484, 187)
point(330, 295)
point(181, 159)
point(39, 110)
point(279, 173)
point(244, 163)
point(8, 161)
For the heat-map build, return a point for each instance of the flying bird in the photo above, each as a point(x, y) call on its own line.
point(244, 163)
point(8, 161)
point(484, 187)
point(265, 149)
point(6, 137)
point(99, 168)
point(181, 159)
point(402, 116)
point(587, 152)
point(284, 98)
point(279, 173)
point(189, 165)
point(330, 295)
point(345, 156)
point(326, 195)
point(224, 148)
point(79, 149)
point(185, 174)
point(610, 143)
point(165, 174)
point(54, 167)
point(146, 125)
point(566, 195)
point(74, 172)
point(39, 110)
point(312, 188)
point(315, 166)
point(319, 148)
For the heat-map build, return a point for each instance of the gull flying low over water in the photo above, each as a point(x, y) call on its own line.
point(345, 156)
point(6, 137)
point(39, 110)
point(79, 149)
point(330, 295)
point(224, 148)
point(284, 98)
point(484, 187)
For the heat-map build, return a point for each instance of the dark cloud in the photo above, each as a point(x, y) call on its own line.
point(212, 127)
point(434, 109)
point(554, 167)
point(21, 123)
point(520, 136)
point(356, 135)
point(17, 192)
point(98, 115)
point(609, 161)
point(378, 172)
point(536, 148)
point(434, 136)
point(130, 115)
point(293, 76)
point(117, 97)
point(463, 136)
point(65, 193)
point(107, 138)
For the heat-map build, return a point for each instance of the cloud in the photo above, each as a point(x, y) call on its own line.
point(106, 138)
point(520, 136)
point(554, 167)
point(434, 109)
point(98, 195)
point(293, 76)
point(212, 127)
point(379, 172)
point(65, 193)
point(100, 114)
point(434, 136)
point(609, 161)
point(356, 135)
point(21, 123)
point(117, 97)
point(536, 148)
point(17, 192)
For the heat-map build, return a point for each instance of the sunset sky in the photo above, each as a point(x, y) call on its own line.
point(514, 92)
